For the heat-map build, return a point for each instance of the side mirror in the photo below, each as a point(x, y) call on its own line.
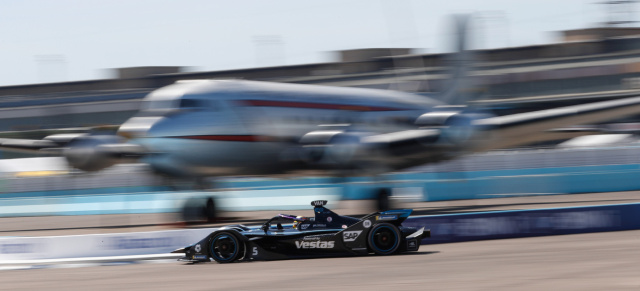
point(265, 227)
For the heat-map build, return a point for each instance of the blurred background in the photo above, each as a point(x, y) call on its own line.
point(70, 66)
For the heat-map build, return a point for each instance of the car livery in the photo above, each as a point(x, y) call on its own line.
point(327, 234)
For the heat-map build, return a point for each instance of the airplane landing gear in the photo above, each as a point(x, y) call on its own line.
point(382, 199)
point(198, 210)
point(210, 210)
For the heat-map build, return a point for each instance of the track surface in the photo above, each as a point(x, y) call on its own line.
point(87, 224)
point(599, 261)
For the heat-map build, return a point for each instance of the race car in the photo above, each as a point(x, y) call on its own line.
point(327, 234)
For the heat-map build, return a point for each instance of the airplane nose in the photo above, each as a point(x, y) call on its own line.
point(137, 127)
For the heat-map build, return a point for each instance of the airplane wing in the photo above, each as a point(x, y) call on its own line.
point(26, 145)
point(524, 128)
point(83, 151)
point(442, 135)
point(33, 141)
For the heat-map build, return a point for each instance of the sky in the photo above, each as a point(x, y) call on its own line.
point(68, 40)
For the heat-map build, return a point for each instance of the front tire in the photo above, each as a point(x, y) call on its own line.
point(225, 247)
point(384, 238)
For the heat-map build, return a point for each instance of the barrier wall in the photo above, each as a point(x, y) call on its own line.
point(96, 245)
point(162, 202)
point(127, 189)
point(527, 223)
point(444, 228)
point(505, 183)
point(296, 194)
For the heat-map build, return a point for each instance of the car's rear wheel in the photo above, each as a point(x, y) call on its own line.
point(384, 238)
point(225, 247)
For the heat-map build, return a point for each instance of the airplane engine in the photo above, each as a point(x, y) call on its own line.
point(457, 128)
point(332, 148)
point(88, 153)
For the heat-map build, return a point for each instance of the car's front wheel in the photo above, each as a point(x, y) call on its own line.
point(384, 238)
point(225, 247)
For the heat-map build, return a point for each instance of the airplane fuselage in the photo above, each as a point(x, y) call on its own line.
point(236, 127)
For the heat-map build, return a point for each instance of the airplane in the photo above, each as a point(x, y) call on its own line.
point(202, 128)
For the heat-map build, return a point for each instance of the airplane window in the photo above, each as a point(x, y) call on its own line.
point(191, 103)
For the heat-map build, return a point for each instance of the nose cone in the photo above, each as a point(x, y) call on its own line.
point(138, 126)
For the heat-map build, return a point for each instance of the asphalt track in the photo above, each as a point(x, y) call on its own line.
point(597, 261)
point(88, 224)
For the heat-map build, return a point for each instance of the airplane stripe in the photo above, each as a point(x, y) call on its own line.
point(311, 105)
point(244, 138)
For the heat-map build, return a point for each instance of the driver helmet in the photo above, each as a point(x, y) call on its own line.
point(298, 220)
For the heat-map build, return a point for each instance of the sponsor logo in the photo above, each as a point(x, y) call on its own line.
point(319, 203)
point(387, 217)
point(366, 223)
point(304, 226)
point(315, 244)
point(199, 257)
point(321, 225)
point(311, 238)
point(329, 219)
point(412, 245)
point(198, 248)
point(351, 235)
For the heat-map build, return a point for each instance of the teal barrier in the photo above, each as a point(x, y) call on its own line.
point(429, 186)
point(553, 181)
point(89, 191)
point(164, 202)
point(504, 183)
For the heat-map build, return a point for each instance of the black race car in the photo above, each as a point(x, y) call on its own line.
point(327, 234)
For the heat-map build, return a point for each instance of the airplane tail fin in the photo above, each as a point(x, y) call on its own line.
point(459, 88)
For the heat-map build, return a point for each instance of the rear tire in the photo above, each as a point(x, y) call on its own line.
point(384, 238)
point(225, 247)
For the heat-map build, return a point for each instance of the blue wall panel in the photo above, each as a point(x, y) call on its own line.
point(527, 223)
